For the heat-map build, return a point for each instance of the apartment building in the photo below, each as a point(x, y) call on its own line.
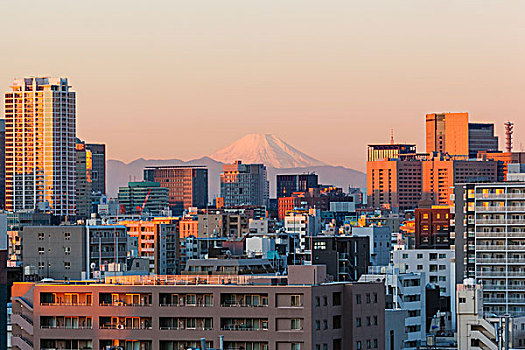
point(490, 243)
point(158, 241)
point(433, 227)
point(40, 131)
point(98, 166)
point(143, 197)
point(174, 312)
point(244, 184)
point(290, 183)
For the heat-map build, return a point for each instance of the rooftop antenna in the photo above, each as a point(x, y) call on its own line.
point(391, 136)
point(509, 126)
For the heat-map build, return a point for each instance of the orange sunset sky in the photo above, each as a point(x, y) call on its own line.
point(180, 79)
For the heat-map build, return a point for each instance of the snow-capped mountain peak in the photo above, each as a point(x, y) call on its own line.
point(267, 149)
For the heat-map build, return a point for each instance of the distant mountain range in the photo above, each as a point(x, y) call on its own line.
point(277, 155)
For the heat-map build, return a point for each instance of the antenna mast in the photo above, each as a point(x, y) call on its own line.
point(509, 126)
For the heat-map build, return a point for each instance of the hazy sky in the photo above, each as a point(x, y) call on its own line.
point(183, 78)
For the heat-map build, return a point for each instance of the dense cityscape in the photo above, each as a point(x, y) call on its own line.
point(428, 254)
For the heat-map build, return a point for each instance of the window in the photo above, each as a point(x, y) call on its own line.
point(368, 298)
point(41, 265)
point(317, 301)
point(336, 322)
point(405, 256)
point(375, 298)
point(41, 236)
point(375, 343)
point(317, 325)
point(319, 245)
point(67, 236)
point(325, 346)
point(336, 298)
point(317, 347)
point(325, 301)
point(442, 267)
point(295, 324)
point(420, 267)
point(67, 250)
point(295, 300)
point(67, 265)
point(325, 324)
point(41, 250)
point(442, 256)
point(358, 322)
point(191, 299)
point(358, 345)
point(368, 321)
point(296, 346)
point(358, 298)
point(375, 320)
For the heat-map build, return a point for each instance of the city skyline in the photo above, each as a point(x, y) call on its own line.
point(302, 71)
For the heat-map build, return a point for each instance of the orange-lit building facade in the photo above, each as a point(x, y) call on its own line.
point(158, 241)
point(40, 145)
point(188, 227)
point(432, 228)
point(447, 133)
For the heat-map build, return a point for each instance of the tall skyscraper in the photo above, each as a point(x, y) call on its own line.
point(447, 133)
point(481, 138)
point(40, 145)
point(188, 185)
point(244, 184)
point(98, 166)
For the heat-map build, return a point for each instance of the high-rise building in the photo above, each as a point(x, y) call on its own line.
point(188, 185)
point(98, 166)
point(489, 236)
point(402, 183)
point(143, 197)
point(288, 184)
point(447, 133)
point(481, 138)
point(83, 180)
point(2, 163)
point(244, 184)
point(40, 145)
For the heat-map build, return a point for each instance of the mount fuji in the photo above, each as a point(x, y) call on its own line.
point(266, 149)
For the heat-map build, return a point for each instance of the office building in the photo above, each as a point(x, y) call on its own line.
point(380, 238)
point(143, 198)
point(447, 133)
point(490, 231)
point(84, 184)
point(288, 184)
point(40, 145)
point(481, 139)
point(98, 166)
point(187, 185)
point(299, 312)
point(432, 228)
point(400, 184)
point(244, 184)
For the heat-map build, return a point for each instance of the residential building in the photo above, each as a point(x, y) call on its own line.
point(244, 184)
point(108, 244)
point(433, 227)
point(228, 267)
point(98, 167)
point(301, 224)
point(288, 184)
point(380, 238)
point(158, 241)
point(40, 145)
point(301, 311)
point(346, 257)
point(84, 183)
point(403, 291)
point(489, 242)
point(223, 224)
point(143, 198)
point(187, 185)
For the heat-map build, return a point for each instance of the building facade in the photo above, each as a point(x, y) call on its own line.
point(432, 228)
point(98, 166)
point(244, 184)
point(143, 197)
point(490, 243)
point(187, 185)
point(40, 145)
point(447, 133)
point(300, 316)
point(288, 184)
point(84, 184)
